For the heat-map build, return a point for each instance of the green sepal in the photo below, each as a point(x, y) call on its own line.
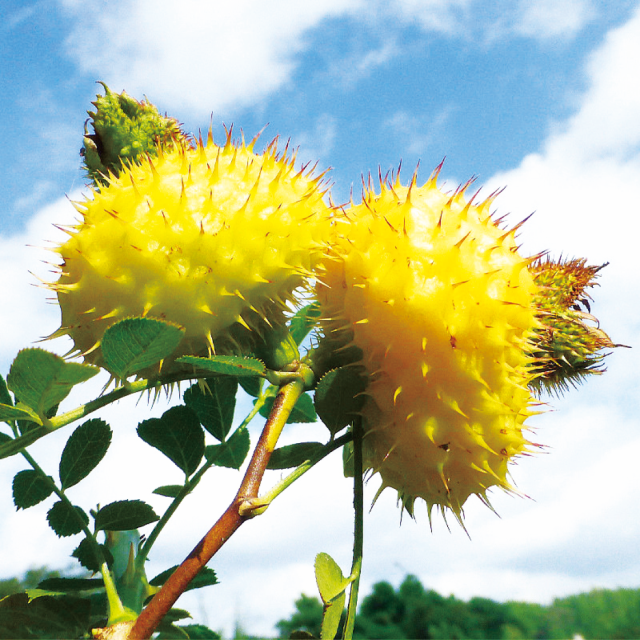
point(41, 379)
point(30, 488)
point(133, 344)
point(214, 406)
point(205, 578)
point(124, 515)
point(232, 453)
point(293, 455)
point(340, 396)
point(227, 365)
point(84, 450)
point(169, 490)
point(303, 411)
point(278, 349)
point(304, 321)
point(124, 131)
point(65, 519)
point(178, 435)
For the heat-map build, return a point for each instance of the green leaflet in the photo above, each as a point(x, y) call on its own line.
point(231, 453)
point(124, 515)
point(227, 365)
point(205, 578)
point(83, 452)
point(134, 344)
point(30, 488)
point(215, 405)
point(293, 455)
point(66, 520)
point(41, 380)
point(178, 435)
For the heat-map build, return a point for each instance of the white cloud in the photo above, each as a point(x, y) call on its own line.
point(544, 19)
point(584, 184)
point(198, 56)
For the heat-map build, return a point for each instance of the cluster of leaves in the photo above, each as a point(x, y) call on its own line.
point(36, 384)
point(411, 611)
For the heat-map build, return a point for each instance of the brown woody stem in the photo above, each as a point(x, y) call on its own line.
point(240, 510)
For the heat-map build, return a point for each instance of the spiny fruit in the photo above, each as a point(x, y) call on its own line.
point(568, 344)
point(436, 297)
point(216, 239)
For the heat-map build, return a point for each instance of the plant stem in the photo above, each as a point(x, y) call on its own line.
point(277, 489)
point(117, 611)
point(189, 486)
point(358, 534)
point(234, 516)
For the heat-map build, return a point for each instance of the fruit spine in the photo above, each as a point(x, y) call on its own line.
point(435, 295)
point(214, 238)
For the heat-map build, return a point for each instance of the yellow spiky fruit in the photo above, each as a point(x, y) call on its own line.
point(435, 295)
point(214, 238)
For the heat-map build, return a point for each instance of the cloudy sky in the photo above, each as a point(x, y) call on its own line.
point(541, 97)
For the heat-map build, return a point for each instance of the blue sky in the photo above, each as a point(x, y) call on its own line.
point(541, 97)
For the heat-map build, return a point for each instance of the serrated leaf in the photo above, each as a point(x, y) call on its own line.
point(5, 396)
point(303, 321)
point(331, 617)
point(331, 583)
point(83, 553)
point(200, 632)
point(293, 455)
point(169, 490)
point(71, 584)
point(65, 519)
point(85, 448)
point(41, 379)
point(231, 453)
point(30, 488)
point(339, 397)
point(124, 515)
point(303, 411)
point(227, 365)
point(214, 407)
point(44, 617)
point(134, 344)
point(205, 578)
point(178, 435)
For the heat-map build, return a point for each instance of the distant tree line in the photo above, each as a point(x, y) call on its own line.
point(413, 612)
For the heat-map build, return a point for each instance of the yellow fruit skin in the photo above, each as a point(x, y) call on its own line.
point(215, 239)
point(436, 296)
